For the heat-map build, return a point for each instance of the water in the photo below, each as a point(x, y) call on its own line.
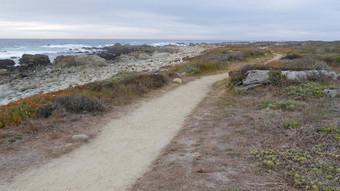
point(15, 48)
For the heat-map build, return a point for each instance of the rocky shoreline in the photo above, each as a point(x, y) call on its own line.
point(36, 73)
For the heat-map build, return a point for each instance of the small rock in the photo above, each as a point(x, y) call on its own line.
point(80, 137)
point(330, 93)
point(335, 109)
point(178, 80)
point(202, 170)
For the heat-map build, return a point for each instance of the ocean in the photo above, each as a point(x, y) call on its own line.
point(15, 48)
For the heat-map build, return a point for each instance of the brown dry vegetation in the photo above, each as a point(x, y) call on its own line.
point(234, 142)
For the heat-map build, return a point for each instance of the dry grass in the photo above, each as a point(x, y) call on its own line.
point(217, 60)
point(2, 133)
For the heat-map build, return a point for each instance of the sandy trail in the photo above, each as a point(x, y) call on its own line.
point(277, 56)
point(125, 148)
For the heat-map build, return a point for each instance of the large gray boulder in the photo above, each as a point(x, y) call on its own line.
point(256, 78)
point(79, 61)
point(29, 60)
point(90, 60)
point(331, 93)
point(310, 74)
point(7, 64)
point(64, 61)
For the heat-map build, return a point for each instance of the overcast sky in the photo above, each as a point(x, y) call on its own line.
point(171, 19)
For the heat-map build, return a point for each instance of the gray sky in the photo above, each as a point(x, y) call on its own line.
point(171, 19)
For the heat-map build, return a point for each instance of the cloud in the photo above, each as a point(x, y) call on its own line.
point(176, 19)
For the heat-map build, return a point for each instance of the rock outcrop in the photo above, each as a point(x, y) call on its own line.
point(64, 61)
point(30, 61)
point(29, 64)
point(79, 61)
point(7, 64)
point(254, 78)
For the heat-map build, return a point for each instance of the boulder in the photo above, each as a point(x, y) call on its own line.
point(79, 61)
point(310, 74)
point(331, 93)
point(64, 61)
point(7, 64)
point(178, 80)
point(4, 76)
point(80, 137)
point(256, 77)
point(29, 60)
point(90, 60)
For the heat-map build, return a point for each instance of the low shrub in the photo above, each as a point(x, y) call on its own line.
point(284, 105)
point(253, 53)
point(332, 61)
point(275, 77)
point(332, 129)
point(44, 111)
point(291, 124)
point(291, 57)
point(191, 69)
point(308, 89)
point(121, 76)
point(216, 60)
point(147, 81)
point(77, 104)
point(301, 168)
point(306, 63)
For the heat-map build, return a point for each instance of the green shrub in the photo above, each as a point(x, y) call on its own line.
point(191, 69)
point(275, 77)
point(308, 89)
point(291, 124)
point(253, 53)
point(332, 129)
point(285, 105)
point(122, 75)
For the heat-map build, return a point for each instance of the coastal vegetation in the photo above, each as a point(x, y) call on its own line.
point(119, 89)
point(279, 133)
point(217, 60)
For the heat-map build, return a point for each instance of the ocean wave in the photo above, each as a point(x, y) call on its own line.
point(18, 54)
point(65, 46)
point(167, 43)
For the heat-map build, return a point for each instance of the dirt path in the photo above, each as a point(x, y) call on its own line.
point(125, 148)
point(277, 56)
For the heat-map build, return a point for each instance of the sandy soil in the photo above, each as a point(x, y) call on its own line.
point(125, 148)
